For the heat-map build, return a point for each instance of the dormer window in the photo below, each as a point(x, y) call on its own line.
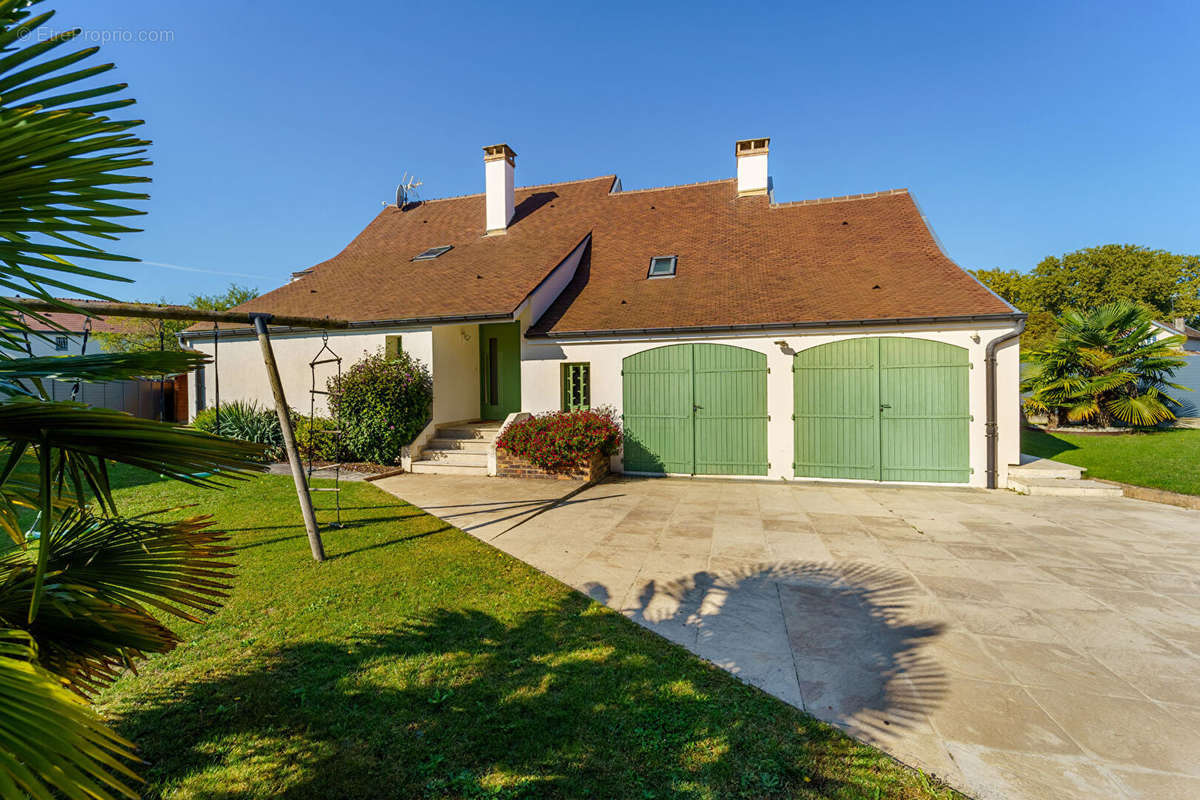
point(662, 267)
point(433, 253)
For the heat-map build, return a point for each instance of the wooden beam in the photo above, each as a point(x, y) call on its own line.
point(289, 440)
point(154, 311)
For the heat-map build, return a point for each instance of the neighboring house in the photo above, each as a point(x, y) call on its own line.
point(1189, 375)
point(66, 337)
point(825, 339)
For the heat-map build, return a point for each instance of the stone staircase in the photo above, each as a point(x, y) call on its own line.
point(458, 449)
point(1041, 476)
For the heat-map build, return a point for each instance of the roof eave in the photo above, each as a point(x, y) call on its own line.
point(776, 326)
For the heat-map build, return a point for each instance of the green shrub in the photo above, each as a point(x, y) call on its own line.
point(248, 421)
point(557, 441)
point(316, 438)
point(382, 403)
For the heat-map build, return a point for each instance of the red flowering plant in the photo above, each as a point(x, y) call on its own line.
point(558, 441)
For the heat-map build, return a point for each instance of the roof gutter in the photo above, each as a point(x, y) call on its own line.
point(992, 432)
point(407, 322)
point(775, 326)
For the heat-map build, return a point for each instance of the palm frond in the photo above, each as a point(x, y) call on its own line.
point(51, 744)
point(176, 451)
point(105, 580)
point(102, 366)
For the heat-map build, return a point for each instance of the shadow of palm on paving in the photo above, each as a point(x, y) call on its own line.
point(848, 634)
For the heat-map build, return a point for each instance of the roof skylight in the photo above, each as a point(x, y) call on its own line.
point(433, 252)
point(662, 267)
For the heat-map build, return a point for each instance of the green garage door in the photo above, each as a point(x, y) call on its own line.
point(698, 409)
point(888, 408)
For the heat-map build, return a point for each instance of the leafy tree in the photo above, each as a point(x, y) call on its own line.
point(140, 335)
point(85, 592)
point(1166, 284)
point(1104, 365)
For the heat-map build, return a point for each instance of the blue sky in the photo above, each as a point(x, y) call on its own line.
point(1023, 130)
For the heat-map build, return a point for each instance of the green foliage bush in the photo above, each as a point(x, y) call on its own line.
point(557, 441)
point(248, 421)
point(382, 403)
point(316, 438)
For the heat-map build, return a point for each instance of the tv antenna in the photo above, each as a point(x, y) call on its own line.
point(406, 192)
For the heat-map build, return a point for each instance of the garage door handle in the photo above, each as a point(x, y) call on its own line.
point(882, 406)
point(696, 407)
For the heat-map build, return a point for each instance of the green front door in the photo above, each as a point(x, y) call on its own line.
point(886, 408)
point(695, 409)
point(499, 369)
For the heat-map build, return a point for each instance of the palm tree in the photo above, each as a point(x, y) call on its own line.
point(84, 591)
point(1103, 366)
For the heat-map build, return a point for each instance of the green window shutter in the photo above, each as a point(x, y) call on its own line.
point(576, 387)
point(391, 347)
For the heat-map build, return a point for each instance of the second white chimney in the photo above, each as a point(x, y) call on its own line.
point(499, 164)
point(752, 166)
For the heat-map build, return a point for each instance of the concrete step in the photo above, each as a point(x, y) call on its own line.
point(438, 468)
point(1062, 487)
point(464, 445)
point(455, 457)
point(484, 433)
point(1032, 467)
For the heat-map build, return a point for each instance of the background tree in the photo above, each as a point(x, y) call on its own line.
point(1104, 365)
point(85, 591)
point(141, 335)
point(1165, 284)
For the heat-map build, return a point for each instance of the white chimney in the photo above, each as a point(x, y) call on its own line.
point(499, 163)
point(752, 166)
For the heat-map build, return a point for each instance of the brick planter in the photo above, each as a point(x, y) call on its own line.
point(509, 465)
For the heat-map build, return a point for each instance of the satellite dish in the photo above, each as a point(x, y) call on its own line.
point(406, 192)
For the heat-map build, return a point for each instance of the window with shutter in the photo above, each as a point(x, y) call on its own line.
point(576, 387)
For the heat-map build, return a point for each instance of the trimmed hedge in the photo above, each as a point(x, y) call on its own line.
point(558, 441)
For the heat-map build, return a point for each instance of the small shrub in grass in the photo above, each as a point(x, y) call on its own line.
point(316, 438)
point(383, 404)
point(557, 441)
point(248, 421)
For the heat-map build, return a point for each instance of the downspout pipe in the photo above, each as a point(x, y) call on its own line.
point(992, 432)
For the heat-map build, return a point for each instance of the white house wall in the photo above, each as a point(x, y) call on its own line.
point(456, 377)
point(541, 360)
point(243, 376)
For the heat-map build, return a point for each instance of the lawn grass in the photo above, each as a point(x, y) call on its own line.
point(419, 662)
point(1167, 459)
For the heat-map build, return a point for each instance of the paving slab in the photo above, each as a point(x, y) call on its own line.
point(1019, 647)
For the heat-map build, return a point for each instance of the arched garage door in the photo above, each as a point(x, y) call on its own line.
point(698, 409)
point(887, 408)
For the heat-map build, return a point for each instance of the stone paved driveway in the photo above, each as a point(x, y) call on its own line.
point(1018, 647)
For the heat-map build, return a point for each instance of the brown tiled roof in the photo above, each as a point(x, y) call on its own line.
point(72, 323)
point(742, 261)
point(375, 278)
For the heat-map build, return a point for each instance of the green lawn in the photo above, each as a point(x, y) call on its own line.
point(1168, 459)
point(419, 662)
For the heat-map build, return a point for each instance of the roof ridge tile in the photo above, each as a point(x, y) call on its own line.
point(846, 198)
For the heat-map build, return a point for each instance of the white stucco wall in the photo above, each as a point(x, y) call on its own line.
point(456, 373)
point(454, 349)
point(540, 376)
point(243, 376)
